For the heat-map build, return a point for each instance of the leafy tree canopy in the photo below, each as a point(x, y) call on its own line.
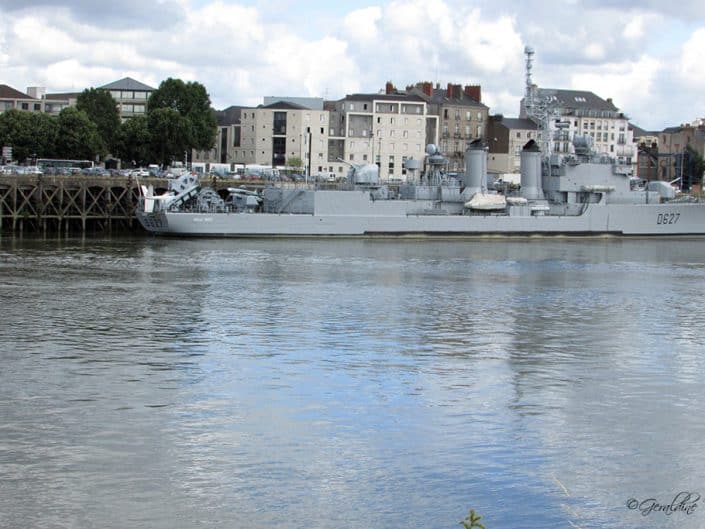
point(133, 144)
point(28, 133)
point(170, 134)
point(295, 163)
point(78, 136)
point(102, 109)
point(192, 102)
point(695, 165)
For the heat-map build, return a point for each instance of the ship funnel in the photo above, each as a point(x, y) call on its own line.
point(475, 179)
point(531, 172)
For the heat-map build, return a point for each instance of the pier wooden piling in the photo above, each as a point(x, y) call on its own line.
point(69, 204)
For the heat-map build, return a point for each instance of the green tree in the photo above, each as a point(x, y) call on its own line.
point(133, 143)
point(102, 109)
point(170, 133)
point(44, 130)
point(694, 166)
point(78, 136)
point(28, 133)
point(295, 163)
point(191, 101)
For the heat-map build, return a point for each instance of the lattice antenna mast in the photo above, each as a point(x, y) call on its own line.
point(538, 107)
point(530, 89)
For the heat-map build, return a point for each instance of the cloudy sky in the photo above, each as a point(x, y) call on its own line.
point(647, 55)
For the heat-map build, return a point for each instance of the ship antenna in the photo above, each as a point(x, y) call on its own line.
point(530, 88)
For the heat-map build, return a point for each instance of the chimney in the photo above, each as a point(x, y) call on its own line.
point(389, 88)
point(427, 88)
point(474, 91)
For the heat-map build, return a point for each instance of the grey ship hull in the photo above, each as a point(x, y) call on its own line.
point(671, 219)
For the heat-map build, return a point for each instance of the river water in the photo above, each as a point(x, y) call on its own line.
point(167, 383)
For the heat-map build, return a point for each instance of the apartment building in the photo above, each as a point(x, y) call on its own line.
point(385, 129)
point(273, 133)
point(506, 137)
point(461, 117)
point(577, 112)
point(11, 98)
point(131, 96)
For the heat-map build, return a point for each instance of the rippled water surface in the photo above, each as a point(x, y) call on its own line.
point(350, 384)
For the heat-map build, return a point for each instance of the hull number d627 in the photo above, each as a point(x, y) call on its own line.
point(667, 218)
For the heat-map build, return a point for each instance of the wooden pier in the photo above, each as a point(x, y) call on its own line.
point(90, 204)
point(70, 204)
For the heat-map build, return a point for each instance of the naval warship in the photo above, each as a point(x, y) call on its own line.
point(581, 194)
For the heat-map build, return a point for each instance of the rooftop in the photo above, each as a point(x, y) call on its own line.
point(440, 97)
point(518, 123)
point(578, 99)
point(127, 83)
point(284, 105)
point(7, 92)
point(385, 97)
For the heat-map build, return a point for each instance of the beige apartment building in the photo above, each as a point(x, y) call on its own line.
point(269, 135)
point(385, 129)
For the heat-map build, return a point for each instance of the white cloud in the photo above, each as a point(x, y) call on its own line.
point(493, 46)
point(634, 28)
point(360, 26)
point(630, 85)
point(691, 66)
point(243, 52)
